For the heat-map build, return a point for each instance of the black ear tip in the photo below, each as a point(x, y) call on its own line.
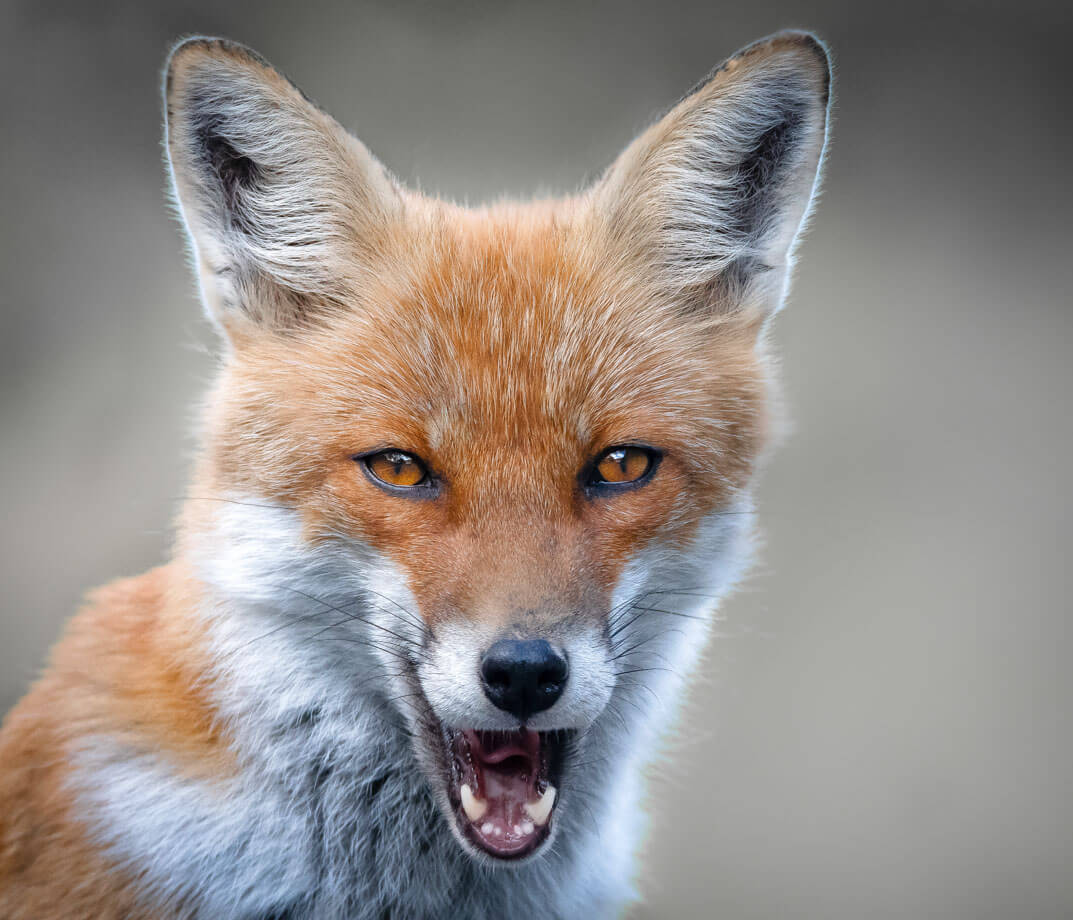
point(819, 48)
point(213, 46)
point(808, 49)
point(795, 40)
point(205, 51)
point(202, 58)
point(802, 38)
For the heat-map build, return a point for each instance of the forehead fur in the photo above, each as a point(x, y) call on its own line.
point(515, 327)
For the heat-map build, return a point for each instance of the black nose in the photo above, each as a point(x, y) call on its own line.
point(523, 677)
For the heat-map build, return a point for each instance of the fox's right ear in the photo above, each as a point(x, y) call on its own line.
point(280, 201)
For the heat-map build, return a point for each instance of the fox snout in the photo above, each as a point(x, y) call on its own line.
point(545, 675)
point(523, 676)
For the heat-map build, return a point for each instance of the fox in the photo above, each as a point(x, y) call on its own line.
point(472, 486)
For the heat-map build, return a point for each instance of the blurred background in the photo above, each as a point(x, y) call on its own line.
point(883, 729)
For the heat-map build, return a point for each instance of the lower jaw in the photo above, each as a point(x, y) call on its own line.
point(505, 850)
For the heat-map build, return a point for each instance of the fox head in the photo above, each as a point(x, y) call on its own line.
point(489, 466)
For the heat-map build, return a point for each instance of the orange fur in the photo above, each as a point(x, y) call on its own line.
point(130, 665)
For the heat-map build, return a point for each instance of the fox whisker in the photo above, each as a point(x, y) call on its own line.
point(354, 616)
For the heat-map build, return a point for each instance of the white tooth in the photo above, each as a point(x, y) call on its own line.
point(471, 805)
point(487, 828)
point(541, 808)
point(527, 828)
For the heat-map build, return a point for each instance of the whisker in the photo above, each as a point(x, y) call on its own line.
point(592, 816)
point(641, 595)
point(637, 682)
point(643, 642)
point(291, 621)
point(352, 616)
point(619, 716)
point(229, 501)
point(411, 617)
point(672, 613)
point(367, 643)
point(351, 640)
point(380, 675)
point(641, 611)
point(690, 593)
point(634, 704)
point(589, 763)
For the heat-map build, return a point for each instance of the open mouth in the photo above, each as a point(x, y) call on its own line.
point(503, 787)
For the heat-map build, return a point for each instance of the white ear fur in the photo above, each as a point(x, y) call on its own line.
point(712, 197)
point(279, 200)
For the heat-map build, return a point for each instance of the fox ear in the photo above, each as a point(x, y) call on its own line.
point(712, 197)
point(280, 201)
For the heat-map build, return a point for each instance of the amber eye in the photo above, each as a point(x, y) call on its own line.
point(623, 465)
point(396, 468)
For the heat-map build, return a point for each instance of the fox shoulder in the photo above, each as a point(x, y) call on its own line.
point(124, 671)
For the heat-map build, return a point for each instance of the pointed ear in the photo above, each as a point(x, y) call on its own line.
point(280, 202)
point(713, 196)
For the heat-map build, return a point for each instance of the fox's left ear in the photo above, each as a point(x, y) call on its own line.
point(711, 198)
point(280, 201)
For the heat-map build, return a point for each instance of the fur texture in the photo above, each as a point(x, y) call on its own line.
point(253, 730)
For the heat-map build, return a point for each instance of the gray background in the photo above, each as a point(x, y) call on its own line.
point(883, 730)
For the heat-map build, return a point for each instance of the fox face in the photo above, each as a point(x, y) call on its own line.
point(491, 467)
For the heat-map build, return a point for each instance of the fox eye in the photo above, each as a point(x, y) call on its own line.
point(396, 468)
point(623, 466)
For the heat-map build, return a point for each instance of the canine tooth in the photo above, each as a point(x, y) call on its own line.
point(527, 828)
point(541, 808)
point(471, 805)
point(487, 828)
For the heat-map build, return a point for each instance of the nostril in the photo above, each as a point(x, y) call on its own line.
point(550, 681)
point(497, 677)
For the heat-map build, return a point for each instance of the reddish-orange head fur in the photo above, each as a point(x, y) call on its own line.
point(506, 350)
